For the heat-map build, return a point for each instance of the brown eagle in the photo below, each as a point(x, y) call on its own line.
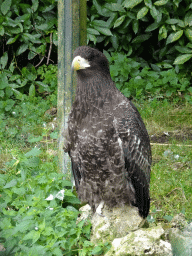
point(107, 140)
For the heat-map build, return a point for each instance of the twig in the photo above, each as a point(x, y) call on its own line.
point(41, 55)
point(167, 144)
point(40, 62)
point(177, 189)
point(50, 47)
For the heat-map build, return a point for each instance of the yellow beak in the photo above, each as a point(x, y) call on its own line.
point(80, 63)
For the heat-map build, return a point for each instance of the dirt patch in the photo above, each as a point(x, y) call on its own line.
point(167, 137)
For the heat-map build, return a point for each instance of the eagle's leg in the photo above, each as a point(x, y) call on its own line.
point(99, 208)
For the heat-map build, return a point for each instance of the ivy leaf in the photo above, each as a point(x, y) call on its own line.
point(5, 6)
point(142, 13)
point(131, 3)
point(182, 59)
point(119, 21)
point(174, 37)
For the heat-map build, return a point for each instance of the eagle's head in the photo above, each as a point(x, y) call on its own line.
point(87, 58)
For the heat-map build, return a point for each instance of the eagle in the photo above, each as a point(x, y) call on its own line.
point(106, 139)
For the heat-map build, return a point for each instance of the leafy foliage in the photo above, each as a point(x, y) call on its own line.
point(138, 80)
point(158, 31)
point(33, 219)
point(27, 33)
point(27, 27)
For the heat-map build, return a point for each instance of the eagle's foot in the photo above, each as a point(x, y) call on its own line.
point(99, 209)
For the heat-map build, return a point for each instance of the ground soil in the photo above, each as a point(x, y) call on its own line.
point(178, 135)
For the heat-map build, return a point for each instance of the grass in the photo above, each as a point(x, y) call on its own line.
point(171, 176)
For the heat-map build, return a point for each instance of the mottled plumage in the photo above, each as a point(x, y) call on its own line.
point(107, 139)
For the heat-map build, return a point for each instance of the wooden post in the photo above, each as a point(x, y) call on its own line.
point(72, 17)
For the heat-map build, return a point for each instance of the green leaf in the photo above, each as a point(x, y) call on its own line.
point(2, 94)
point(100, 23)
point(3, 81)
point(34, 235)
point(152, 27)
point(172, 21)
point(5, 6)
point(115, 7)
point(18, 94)
point(154, 12)
point(148, 3)
point(12, 39)
point(22, 48)
point(32, 91)
point(162, 33)
point(188, 18)
point(104, 31)
point(142, 13)
point(92, 31)
point(182, 59)
point(34, 152)
point(35, 139)
point(11, 184)
point(160, 2)
point(135, 26)
point(174, 37)
point(119, 21)
point(3, 60)
point(141, 38)
point(98, 7)
point(131, 3)
point(115, 41)
point(2, 31)
point(183, 49)
point(35, 5)
point(188, 33)
point(97, 250)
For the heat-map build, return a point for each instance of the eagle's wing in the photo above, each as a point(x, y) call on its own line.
point(137, 152)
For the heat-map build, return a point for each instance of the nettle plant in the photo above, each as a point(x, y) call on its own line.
point(38, 210)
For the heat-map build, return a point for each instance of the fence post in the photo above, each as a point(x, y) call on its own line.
point(72, 17)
